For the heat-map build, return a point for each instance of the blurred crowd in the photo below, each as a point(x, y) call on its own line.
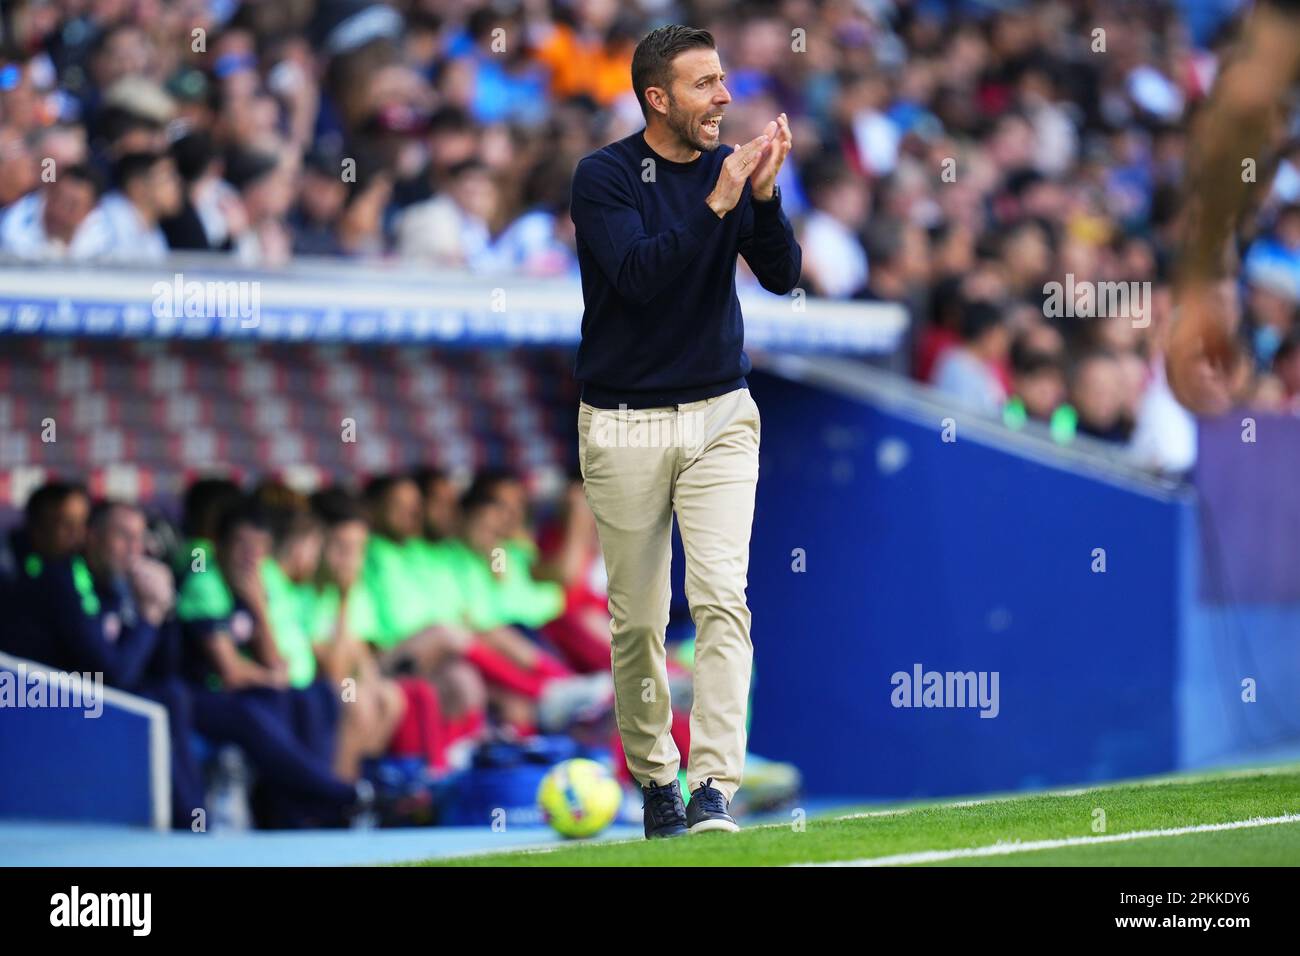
point(954, 156)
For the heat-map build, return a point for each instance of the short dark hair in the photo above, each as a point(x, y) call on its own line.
point(1027, 361)
point(49, 497)
point(378, 488)
point(482, 491)
point(134, 166)
point(426, 476)
point(652, 61)
point(335, 506)
point(101, 511)
point(82, 172)
point(205, 500)
point(978, 319)
point(245, 514)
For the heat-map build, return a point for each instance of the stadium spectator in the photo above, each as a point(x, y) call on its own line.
point(198, 223)
point(420, 627)
point(19, 172)
point(591, 56)
point(125, 226)
point(53, 528)
point(970, 372)
point(206, 500)
point(399, 716)
point(239, 681)
point(322, 196)
point(1097, 393)
point(50, 222)
point(441, 500)
point(339, 617)
point(834, 261)
point(453, 230)
point(265, 184)
point(503, 606)
point(286, 575)
point(1038, 390)
point(507, 85)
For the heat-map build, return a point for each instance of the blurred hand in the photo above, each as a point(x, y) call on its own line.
point(151, 583)
point(1202, 354)
point(736, 170)
point(234, 213)
point(277, 677)
point(248, 587)
point(763, 179)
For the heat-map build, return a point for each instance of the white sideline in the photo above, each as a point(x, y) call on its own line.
point(1003, 849)
point(1160, 781)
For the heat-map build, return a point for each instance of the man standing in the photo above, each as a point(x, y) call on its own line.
point(666, 422)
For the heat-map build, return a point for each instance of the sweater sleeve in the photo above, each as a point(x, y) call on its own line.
point(79, 634)
point(767, 242)
point(639, 266)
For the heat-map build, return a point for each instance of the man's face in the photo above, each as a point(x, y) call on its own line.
point(1098, 393)
point(344, 552)
point(272, 195)
point(476, 194)
point(165, 191)
point(401, 513)
point(697, 98)
point(67, 202)
point(1042, 391)
point(513, 499)
point(159, 190)
point(61, 530)
point(484, 527)
point(300, 555)
point(248, 547)
point(441, 508)
point(126, 53)
point(117, 541)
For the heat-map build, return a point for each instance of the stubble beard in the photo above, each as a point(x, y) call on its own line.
point(684, 125)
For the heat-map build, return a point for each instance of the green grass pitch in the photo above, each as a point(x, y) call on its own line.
point(929, 834)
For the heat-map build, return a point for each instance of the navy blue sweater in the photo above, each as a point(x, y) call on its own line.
point(661, 323)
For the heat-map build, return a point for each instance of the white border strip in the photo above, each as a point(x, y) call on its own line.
point(1005, 849)
point(160, 756)
point(1161, 781)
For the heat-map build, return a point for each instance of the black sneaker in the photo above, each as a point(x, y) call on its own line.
point(664, 814)
point(708, 810)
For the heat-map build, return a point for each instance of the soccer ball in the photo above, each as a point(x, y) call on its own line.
point(579, 798)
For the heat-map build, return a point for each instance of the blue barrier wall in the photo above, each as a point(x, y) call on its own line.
point(1240, 666)
point(58, 763)
point(961, 556)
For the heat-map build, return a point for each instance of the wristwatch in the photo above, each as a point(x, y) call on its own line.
point(776, 195)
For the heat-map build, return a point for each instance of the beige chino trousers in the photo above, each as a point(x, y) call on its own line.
point(698, 460)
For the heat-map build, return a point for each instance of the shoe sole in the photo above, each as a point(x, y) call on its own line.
point(705, 826)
